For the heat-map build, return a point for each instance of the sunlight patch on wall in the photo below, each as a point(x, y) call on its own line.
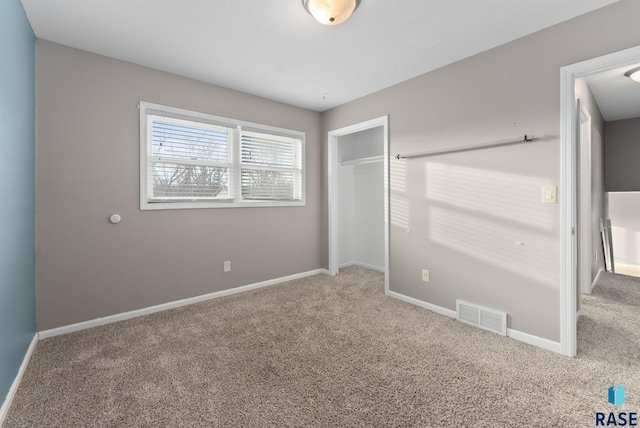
point(493, 216)
point(496, 243)
point(499, 194)
point(399, 205)
point(400, 212)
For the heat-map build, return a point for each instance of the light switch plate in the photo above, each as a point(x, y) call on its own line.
point(549, 194)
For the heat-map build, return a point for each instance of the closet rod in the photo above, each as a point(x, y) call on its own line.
point(527, 139)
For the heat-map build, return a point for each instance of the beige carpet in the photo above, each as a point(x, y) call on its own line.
point(326, 351)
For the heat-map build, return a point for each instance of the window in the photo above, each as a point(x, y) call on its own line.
point(195, 160)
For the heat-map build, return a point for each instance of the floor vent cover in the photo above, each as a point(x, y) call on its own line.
point(479, 316)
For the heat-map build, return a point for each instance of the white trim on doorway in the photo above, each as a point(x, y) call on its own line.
point(334, 164)
point(568, 127)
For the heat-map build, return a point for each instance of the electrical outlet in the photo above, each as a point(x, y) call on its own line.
point(425, 275)
point(227, 266)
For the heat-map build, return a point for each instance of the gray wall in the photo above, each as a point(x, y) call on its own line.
point(88, 168)
point(17, 190)
point(460, 215)
point(598, 197)
point(622, 154)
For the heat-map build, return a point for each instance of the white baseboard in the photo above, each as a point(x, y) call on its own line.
point(171, 305)
point(434, 308)
point(364, 265)
point(627, 269)
point(595, 280)
point(14, 386)
point(540, 342)
point(514, 334)
point(346, 264)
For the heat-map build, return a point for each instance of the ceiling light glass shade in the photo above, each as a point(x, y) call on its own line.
point(634, 74)
point(331, 12)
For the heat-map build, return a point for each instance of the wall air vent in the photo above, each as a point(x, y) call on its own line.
point(479, 316)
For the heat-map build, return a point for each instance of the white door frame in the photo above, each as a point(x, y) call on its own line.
point(568, 127)
point(334, 164)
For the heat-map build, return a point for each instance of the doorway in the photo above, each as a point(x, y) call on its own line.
point(569, 126)
point(359, 158)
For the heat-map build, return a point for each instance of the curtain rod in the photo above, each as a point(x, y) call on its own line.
point(527, 139)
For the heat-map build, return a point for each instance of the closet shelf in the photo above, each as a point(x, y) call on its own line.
point(360, 161)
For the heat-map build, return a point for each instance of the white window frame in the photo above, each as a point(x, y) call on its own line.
point(235, 199)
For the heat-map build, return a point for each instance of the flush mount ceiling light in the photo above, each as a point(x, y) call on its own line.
point(634, 74)
point(331, 12)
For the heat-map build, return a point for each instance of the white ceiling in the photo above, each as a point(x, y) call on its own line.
point(617, 96)
point(275, 49)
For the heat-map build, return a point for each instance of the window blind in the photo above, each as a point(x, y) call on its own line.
point(189, 160)
point(271, 166)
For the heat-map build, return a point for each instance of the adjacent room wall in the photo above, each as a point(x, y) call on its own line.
point(624, 209)
point(623, 183)
point(475, 218)
point(622, 155)
point(17, 187)
point(88, 169)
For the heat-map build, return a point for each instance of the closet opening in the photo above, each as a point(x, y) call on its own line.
point(358, 197)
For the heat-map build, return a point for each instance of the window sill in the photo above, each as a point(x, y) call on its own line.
point(145, 205)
